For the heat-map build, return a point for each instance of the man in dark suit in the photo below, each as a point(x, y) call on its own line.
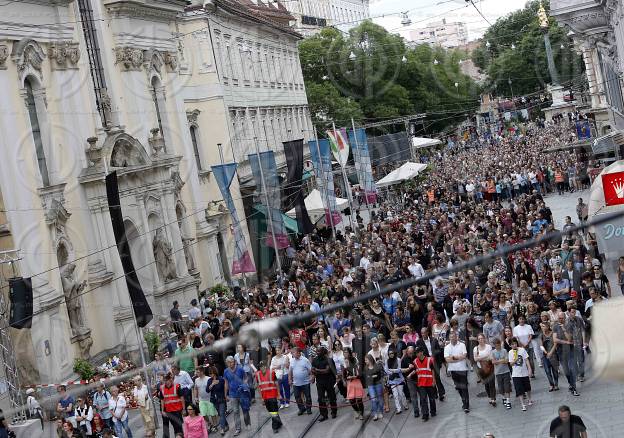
point(432, 348)
point(572, 275)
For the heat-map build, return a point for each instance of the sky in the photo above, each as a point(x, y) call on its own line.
point(423, 11)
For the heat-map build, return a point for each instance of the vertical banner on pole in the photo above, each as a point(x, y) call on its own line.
point(325, 179)
point(363, 167)
point(142, 310)
point(339, 145)
point(224, 174)
point(293, 191)
point(271, 184)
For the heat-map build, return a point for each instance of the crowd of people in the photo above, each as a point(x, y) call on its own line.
point(515, 323)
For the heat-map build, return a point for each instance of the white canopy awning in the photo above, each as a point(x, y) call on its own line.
point(421, 142)
point(406, 172)
point(314, 205)
point(596, 203)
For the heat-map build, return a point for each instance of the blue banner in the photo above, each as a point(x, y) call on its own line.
point(224, 174)
point(583, 130)
point(272, 187)
point(363, 168)
point(321, 159)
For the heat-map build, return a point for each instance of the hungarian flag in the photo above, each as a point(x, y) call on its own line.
point(339, 145)
point(613, 188)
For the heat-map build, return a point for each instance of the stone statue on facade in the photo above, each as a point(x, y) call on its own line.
point(188, 253)
point(72, 290)
point(163, 254)
point(543, 17)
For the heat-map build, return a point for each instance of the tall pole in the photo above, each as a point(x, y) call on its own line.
point(269, 210)
point(347, 186)
point(357, 144)
point(549, 56)
point(321, 171)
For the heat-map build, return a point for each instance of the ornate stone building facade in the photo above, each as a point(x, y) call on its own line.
point(90, 87)
point(248, 53)
point(597, 28)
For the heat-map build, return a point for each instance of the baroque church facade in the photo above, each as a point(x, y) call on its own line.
point(132, 86)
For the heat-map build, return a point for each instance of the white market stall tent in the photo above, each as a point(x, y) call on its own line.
point(406, 172)
point(314, 205)
point(422, 142)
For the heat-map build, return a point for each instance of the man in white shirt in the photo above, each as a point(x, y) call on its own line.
point(524, 333)
point(182, 378)
point(364, 261)
point(520, 371)
point(416, 269)
point(455, 355)
point(141, 395)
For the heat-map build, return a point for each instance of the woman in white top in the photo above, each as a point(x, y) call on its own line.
point(376, 352)
point(347, 337)
point(84, 416)
point(324, 338)
point(280, 365)
point(383, 347)
point(33, 407)
point(482, 355)
point(117, 405)
point(339, 360)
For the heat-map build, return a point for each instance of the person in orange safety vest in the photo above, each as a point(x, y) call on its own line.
point(171, 405)
point(267, 384)
point(423, 369)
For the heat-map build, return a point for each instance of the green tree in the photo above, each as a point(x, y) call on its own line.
point(515, 60)
point(370, 74)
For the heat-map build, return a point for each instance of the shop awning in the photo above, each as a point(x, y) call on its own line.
point(289, 223)
point(608, 143)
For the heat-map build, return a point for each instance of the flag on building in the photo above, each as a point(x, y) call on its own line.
point(339, 145)
point(272, 187)
point(361, 158)
point(321, 160)
point(294, 185)
point(224, 174)
point(141, 307)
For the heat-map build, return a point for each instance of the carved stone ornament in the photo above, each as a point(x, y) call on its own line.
point(4, 55)
point(191, 116)
point(156, 142)
point(65, 55)
point(53, 200)
point(130, 58)
point(28, 55)
point(94, 152)
point(178, 182)
point(171, 61)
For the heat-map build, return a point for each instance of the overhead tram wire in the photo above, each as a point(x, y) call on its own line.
point(264, 329)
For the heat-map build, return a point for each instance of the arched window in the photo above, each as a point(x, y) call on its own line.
point(195, 141)
point(34, 108)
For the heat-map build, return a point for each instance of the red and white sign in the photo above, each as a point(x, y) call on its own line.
point(613, 187)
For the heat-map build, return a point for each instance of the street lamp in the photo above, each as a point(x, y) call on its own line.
point(405, 19)
point(436, 62)
point(457, 88)
point(352, 56)
point(513, 46)
point(404, 60)
point(511, 87)
point(487, 44)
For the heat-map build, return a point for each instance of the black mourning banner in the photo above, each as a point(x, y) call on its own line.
point(21, 298)
point(293, 191)
point(141, 307)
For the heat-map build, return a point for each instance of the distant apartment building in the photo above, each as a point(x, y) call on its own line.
point(313, 15)
point(441, 33)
